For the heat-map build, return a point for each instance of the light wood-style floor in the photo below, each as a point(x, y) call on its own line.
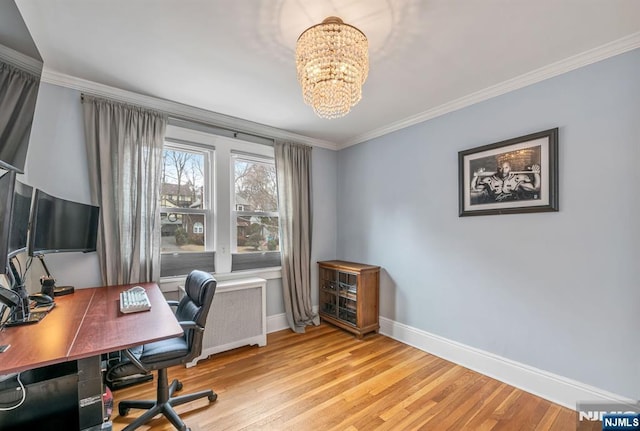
point(327, 379)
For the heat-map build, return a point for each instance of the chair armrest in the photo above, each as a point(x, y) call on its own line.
point(188, 324)
point(172, 303)
point(135, 361)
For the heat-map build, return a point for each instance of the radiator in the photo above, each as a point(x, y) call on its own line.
point(238, 317)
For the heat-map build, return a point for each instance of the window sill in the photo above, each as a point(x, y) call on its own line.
point(266, 273)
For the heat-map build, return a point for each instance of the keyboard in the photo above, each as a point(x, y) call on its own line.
point(134, 300)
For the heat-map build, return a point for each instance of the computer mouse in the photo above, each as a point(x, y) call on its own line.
point(41, 299)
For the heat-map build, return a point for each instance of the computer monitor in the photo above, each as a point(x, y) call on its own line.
point(22, 198)
point(7, 184)
point(20, 308)
point(19, 228)
point(60, 225)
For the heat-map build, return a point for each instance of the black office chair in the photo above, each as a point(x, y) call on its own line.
point(191, 312)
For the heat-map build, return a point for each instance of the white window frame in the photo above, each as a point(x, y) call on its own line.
point(222, 192)
point(207, 209)
point(258, 259)
point(242, 212)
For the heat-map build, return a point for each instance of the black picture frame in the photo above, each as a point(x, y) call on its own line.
point(529, 185)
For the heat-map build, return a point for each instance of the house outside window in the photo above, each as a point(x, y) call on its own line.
point(257, 235)
point(224, 208)
point(185, 210)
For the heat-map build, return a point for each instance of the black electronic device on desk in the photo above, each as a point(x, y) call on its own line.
point(48, 283)
point(41, 302)
point(8, 297)
point(41, 299)
point(20, 313)
point(32, 317)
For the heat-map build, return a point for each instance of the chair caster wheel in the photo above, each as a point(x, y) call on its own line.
point(213, 397)
point(123, 411)
point(179, 386)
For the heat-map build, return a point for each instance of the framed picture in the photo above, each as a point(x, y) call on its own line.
point(519, 175)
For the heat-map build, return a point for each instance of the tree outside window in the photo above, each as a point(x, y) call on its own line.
point(256, 205)
point(182, 200)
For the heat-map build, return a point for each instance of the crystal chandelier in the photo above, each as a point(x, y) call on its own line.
point(332, 63)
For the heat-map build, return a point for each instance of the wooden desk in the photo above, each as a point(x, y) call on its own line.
point(82, 327)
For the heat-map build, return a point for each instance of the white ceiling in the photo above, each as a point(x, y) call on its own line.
point(236, 57)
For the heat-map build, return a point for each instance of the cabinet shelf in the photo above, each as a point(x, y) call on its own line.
point(349, 295)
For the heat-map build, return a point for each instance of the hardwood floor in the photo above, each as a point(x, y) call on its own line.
point(327, 379)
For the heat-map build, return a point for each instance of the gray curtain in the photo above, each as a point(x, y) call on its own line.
point(124, 149)
point(18, 93)
point(293, 172)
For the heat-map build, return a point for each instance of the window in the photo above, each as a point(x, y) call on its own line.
point(185, 210)
point(257, 238)
point(218, 202)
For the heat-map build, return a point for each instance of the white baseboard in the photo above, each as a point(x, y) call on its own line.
point(555, 388)
point(277, 322)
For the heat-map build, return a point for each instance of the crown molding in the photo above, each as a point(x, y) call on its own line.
point(20, 60)
point(179, 110)
point(603, 52)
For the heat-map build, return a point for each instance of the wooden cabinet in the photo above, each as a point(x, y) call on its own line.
point(349, 295)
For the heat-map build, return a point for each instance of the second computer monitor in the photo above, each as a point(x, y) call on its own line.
point(59, 225)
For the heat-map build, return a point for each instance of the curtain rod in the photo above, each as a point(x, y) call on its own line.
point(218, 130)
point(193, 124)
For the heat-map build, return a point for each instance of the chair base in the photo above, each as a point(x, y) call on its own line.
point(164, 403)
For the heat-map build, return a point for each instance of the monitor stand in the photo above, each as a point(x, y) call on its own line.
point(20, 314)
point(48, 283)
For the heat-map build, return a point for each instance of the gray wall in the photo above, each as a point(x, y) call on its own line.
point(324, 181)
point(57, 163)
point(557, 291)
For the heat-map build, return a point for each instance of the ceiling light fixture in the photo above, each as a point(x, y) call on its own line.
point(332, 61)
